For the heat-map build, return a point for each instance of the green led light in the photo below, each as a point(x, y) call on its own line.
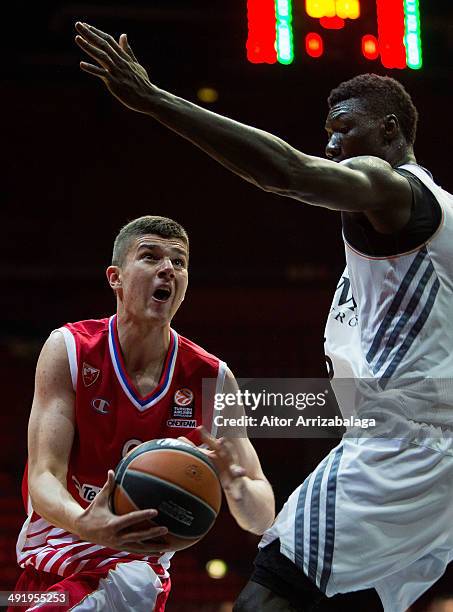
point(284, 32)
point(412, 37)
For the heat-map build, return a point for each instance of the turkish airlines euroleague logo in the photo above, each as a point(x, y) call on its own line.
point(183, 397)
point(183, 409)
point(90, 374)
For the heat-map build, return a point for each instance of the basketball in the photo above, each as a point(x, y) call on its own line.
point(177, 480)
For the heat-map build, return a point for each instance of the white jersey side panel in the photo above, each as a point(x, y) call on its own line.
point(391, 316)
point(377, 511)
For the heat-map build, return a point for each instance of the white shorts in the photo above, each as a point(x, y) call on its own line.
point(129, 586)
point(374, 513)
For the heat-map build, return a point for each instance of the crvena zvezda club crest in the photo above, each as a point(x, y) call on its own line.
point(89, 374)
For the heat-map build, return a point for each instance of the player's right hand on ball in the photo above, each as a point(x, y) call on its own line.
point(127, 532)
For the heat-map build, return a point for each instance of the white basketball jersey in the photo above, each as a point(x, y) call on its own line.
point(378, 510)
point(391, 320)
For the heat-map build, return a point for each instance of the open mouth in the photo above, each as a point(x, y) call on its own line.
point(162, 294)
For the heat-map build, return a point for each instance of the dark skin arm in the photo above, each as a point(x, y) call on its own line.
point(360, 185)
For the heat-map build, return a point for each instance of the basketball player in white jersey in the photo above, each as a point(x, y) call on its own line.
point(378, 511)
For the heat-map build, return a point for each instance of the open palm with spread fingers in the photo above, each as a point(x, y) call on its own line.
point(116, 65)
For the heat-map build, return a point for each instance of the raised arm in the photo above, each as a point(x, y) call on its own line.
point(50, 437)
point(369, 184)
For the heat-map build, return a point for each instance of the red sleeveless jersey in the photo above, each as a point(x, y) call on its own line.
point(111, 418)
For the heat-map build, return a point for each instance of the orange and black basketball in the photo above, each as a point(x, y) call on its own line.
point(176, 479)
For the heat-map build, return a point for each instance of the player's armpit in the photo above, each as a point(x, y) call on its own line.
point(388, 200)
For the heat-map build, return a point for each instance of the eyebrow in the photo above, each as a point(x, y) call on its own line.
point(340, 115)
point(343, 116)
point(153, 245)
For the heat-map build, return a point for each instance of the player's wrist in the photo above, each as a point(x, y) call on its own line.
point(236, 489)
point(83, 526)
point(155, 99)
point(162, 105)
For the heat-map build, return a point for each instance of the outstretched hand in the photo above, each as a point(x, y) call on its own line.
point(132, 532)
point(225, 458)
point(116, 65)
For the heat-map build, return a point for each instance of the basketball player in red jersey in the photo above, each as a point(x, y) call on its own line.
point(103, 387)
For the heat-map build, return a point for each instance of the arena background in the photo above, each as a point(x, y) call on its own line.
point(77, 165)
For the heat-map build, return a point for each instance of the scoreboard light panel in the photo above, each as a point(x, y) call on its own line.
point(396, 41)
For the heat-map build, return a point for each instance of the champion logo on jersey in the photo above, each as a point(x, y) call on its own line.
point(90, 374)
point(100, 405)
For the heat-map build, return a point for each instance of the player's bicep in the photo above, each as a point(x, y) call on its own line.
point(359, 184)
point(51, 424)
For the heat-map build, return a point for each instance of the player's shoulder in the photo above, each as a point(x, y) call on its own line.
point(192, 350)
point(88, 327)
point(377, 169)
point(368, 164)
point(387, 184)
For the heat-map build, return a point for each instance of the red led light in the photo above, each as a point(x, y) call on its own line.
point(332, 23)
point(314, 45)
point(261, 32)
point(370, 48)
point(390, 14)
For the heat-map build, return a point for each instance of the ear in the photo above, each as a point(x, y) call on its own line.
point(113, 274)
point(390, 127)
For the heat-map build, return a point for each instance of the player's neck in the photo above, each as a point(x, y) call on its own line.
point(402, 155)
point(144, 346)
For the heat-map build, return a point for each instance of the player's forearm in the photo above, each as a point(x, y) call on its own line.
point(253, 154)
point(52, 501)
point(255, 510)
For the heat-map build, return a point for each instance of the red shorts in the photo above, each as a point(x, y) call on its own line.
point(127, 587)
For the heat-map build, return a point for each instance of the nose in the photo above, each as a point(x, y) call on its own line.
point(333, 148)
point(166, 269)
